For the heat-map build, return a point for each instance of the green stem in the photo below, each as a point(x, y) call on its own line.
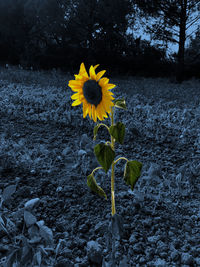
point(102, 124)
point(113, 171)
point(108, 143)
point(97, 168)
point(119, 159)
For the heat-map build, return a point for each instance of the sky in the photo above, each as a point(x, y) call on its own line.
point(172, 48)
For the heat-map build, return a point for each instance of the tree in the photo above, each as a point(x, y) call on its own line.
point(173, 20)
point(192, 56)
point(113, 24)
point(97, 28)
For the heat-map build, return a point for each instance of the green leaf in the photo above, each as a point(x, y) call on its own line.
point(95, 131)
point(120, 103)
point(105, 155)
point(118, 132)
point(132, 172)
point(92, 184)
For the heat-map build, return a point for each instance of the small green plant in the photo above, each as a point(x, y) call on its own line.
point(33, 245)
point(93, 92)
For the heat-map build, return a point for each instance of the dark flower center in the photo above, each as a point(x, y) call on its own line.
point(92, 92)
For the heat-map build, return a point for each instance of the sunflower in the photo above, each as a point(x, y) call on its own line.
point(93, 91)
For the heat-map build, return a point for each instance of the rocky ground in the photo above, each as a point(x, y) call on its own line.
point(47, 150)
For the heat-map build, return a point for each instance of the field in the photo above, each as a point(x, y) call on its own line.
point(47, 152)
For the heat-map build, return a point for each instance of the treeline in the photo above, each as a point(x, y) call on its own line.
point(45, 34)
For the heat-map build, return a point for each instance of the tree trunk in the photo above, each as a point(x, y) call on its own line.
point(182, 37)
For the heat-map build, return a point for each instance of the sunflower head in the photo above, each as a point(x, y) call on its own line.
point(93, 92)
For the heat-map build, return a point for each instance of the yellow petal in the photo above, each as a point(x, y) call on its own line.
point(96, 66)
point(85, 109)
point(107, 104)
point(110, 93)
point(100, 112)
point(100, 74)
point(76, 102)
point(75, 96)
point(79, 77)
point(75, 83)
point(89, 110)
point(109, 86)
point(103, 81)
point(94, 116)
point(103, 111)
point(75, 89)
point(92, 73)
point(83, 71)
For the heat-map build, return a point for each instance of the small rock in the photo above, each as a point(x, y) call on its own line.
point(149, 252)
point(137, 248)
point(142, 260)
point(161, 247)
point(175, 255)
point(154, 170)
point(84, 141)
point(66, 253)
point(186, 258)
point(81, 152)
point(60, 227)
point(78, 259)
point(153, 239)
point(163, 255)
point(123, 263)
point(64, 262)
point(101, 228)
point(160, 263)
point(147, 222)
point(132, 239)
point(32, 203)
point(197, 260)
point(81, 242)
point(66, 151)
point(84, 228)
point(24, 191)
point(94, 252)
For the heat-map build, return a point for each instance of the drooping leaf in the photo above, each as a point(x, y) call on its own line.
point(29, 218)
point(132, 172)
point(92, 184)
point(8, 191)
point(105, 155)
point(120, 103)
point(118, 132)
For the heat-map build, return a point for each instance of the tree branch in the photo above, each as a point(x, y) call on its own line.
point(192, 22)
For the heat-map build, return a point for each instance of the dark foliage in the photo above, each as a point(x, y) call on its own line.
point(63, 33)
point(174, 18)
